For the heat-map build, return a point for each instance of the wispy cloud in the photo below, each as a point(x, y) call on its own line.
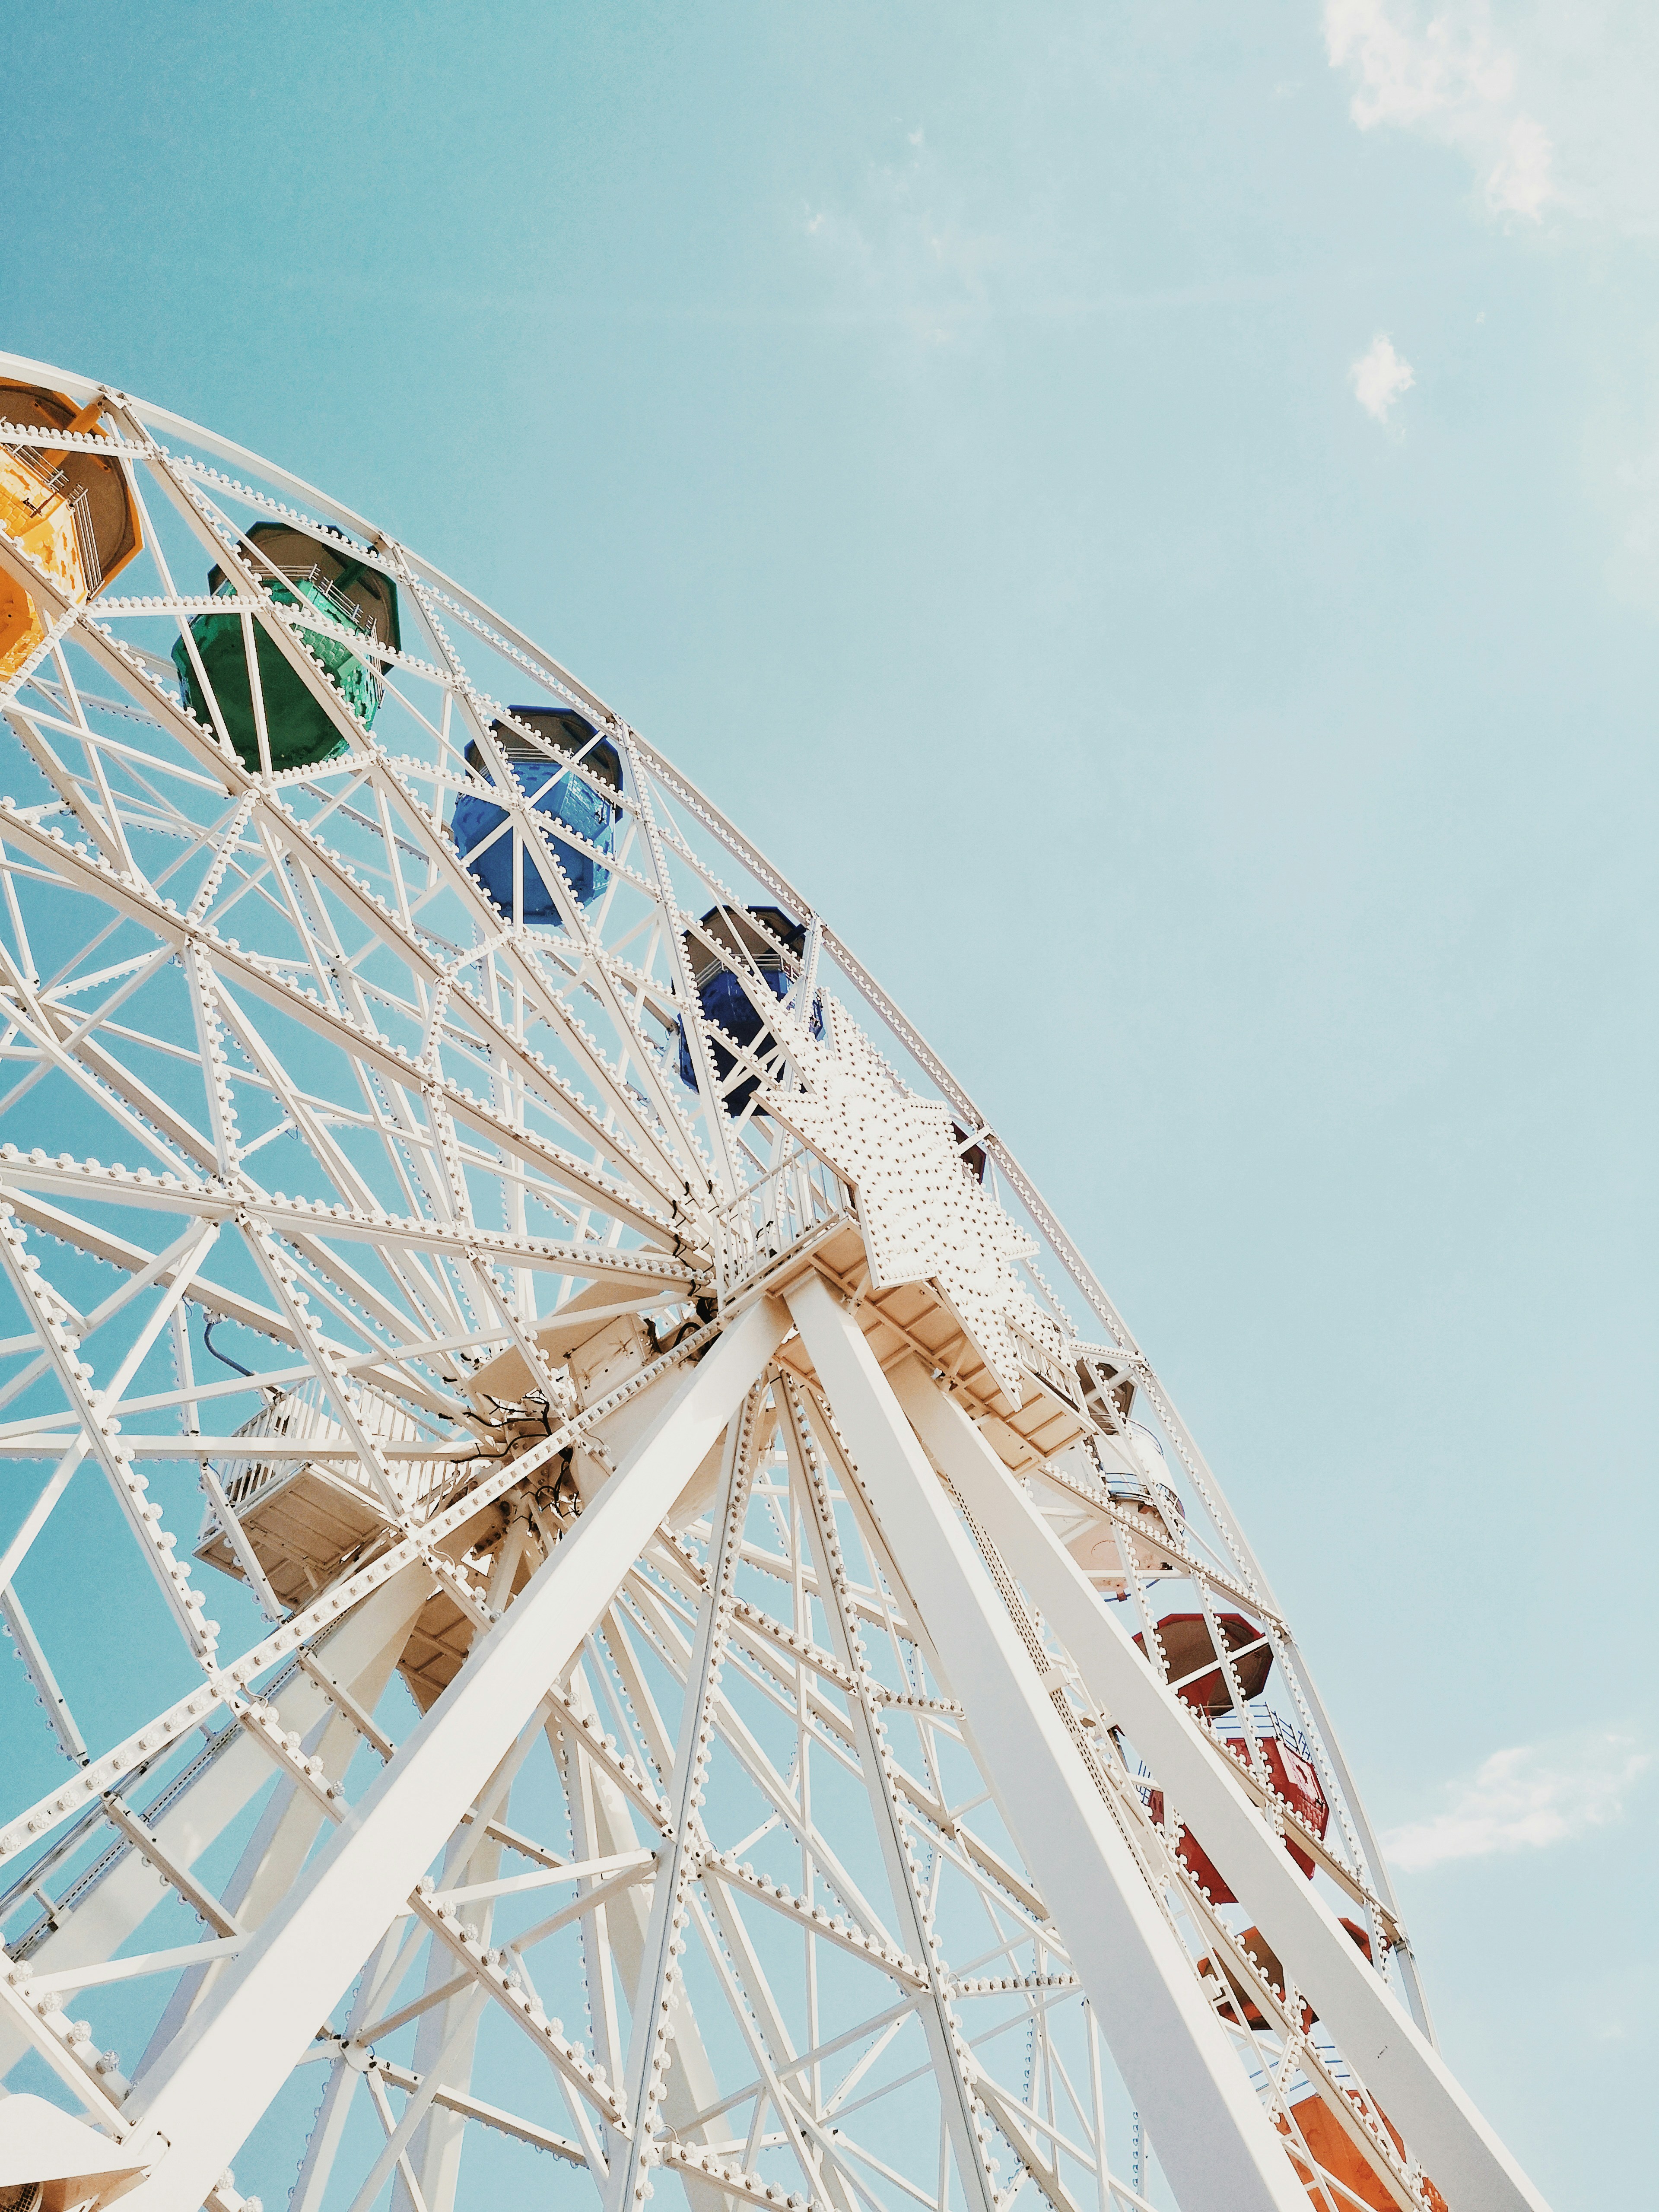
point(907, 252)
point(1550, 102)
point(1410, 71)
point(1523, 1800)
point(1379, 377)
point(1451, 77)
point(1521, 182)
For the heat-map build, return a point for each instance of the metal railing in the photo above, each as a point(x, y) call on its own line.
point(799, 1194)
point(336, 605)
point(53, 488)
point(344, 610)
point(1268, 1721)
point(306, 1416)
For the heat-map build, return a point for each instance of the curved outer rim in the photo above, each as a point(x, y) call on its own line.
point(83, 388)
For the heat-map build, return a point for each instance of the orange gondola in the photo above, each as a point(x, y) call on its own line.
point(71, 510)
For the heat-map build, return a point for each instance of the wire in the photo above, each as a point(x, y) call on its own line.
point(208, 1328)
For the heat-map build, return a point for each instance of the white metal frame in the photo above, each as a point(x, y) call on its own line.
point(854, 1822)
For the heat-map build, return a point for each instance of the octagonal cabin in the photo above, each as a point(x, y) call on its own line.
point(70, 510)
point(756, 939)
point(295, 570)
point(569, 778)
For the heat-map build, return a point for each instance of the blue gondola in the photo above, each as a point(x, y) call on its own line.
point(553, 791)
point(722, 997)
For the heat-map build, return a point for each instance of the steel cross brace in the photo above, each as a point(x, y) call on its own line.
point(217, 2080)
point(659, 1989)
point(1220, 2151)
point(912, 1918)
point(1376, 2034)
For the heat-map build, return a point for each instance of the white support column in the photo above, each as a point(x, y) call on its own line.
point(221, 2075)
point(1396, 2060)
point(328, 2128)
point(1224, 2155)
point(278, 1846)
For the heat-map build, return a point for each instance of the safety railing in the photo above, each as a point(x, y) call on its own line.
point(306, 1416)
point(799, 1194)
point(52, 488)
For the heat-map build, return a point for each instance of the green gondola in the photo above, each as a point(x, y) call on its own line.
point(298, 570)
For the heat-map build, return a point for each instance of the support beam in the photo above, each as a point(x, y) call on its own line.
point(1396, 2060)
point(1223, 2155)
point(223, 2074)
point(110, 1912)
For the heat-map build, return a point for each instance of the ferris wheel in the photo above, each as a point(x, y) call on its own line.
point(605, 1605)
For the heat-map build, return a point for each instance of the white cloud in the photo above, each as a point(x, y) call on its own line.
point(1410, 71)
point(1550, 102)
point(1523, 1800)
point(1379, 377)
point(908, 253)
point(1451, 77)
point(1521, 182)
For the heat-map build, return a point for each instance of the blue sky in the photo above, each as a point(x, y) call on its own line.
point(1151, 517)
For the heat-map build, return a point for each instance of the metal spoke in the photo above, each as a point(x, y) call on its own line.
point(707, 1560)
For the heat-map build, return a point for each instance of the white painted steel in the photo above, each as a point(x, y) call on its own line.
point(911, 1917)
point(1374, 2030)
point(1217, 2146)
point(484, 1365)
point(220, 2077)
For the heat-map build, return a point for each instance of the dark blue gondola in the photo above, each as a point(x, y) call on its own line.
point(722, 997)
point(552, 791)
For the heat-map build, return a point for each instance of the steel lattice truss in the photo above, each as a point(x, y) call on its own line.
point(699, 1501)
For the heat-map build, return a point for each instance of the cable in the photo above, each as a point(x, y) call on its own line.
point(208, 1328)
